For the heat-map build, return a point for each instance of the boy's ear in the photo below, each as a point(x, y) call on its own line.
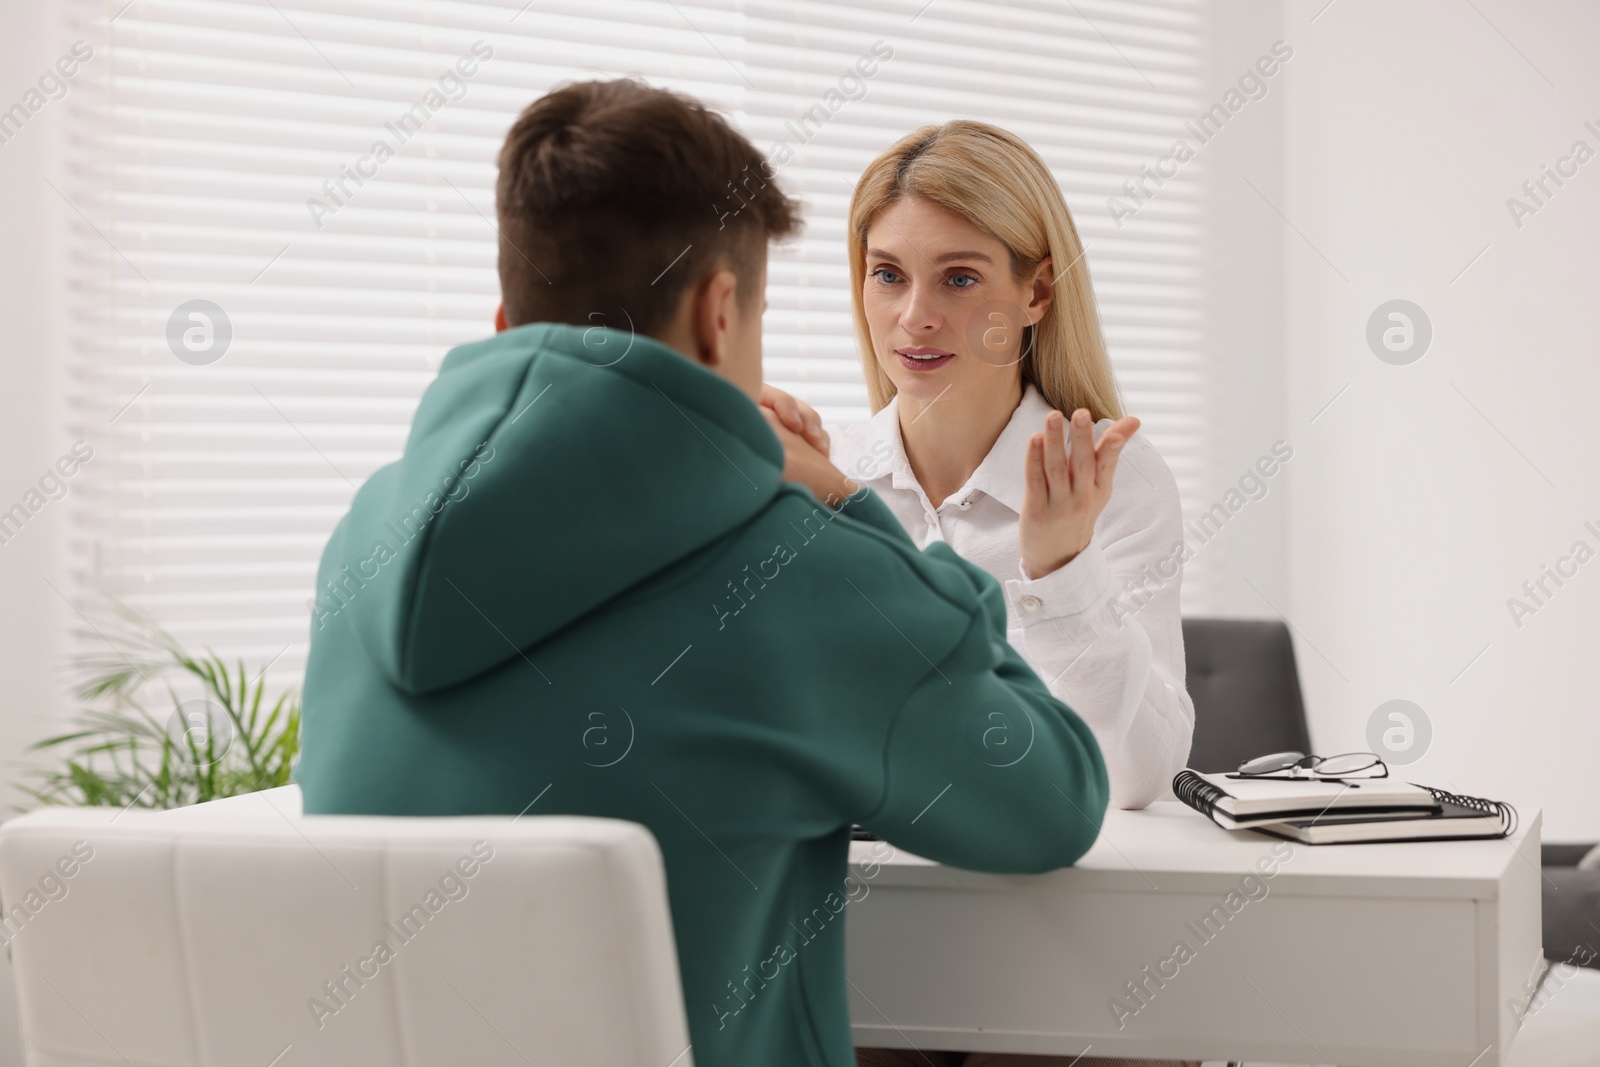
point(500, 325)
point(712, 309)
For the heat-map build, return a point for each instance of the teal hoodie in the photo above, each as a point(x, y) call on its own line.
point(585, 583)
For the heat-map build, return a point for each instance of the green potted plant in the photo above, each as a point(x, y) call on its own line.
point(161, 727)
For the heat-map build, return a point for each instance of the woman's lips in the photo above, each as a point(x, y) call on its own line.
point(922, 358)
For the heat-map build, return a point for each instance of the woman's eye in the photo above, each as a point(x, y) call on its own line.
point(884, 274)
point(963, 281)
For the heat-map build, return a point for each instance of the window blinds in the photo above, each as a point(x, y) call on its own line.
point(281, 219)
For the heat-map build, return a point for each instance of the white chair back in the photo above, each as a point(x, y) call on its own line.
point(242, 934)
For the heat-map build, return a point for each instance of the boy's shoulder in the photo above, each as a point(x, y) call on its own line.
point(861, 543)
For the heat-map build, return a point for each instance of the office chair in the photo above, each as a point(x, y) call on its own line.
point(237, 931)
point(1241, 675)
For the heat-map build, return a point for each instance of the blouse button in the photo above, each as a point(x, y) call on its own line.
point(931, 518)
point(1031, 603)
point(965, 504)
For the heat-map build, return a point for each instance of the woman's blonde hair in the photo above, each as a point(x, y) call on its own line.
point(995, 181)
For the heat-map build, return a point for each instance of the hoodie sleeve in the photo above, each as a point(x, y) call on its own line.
point(983, 768)
point(866, 506)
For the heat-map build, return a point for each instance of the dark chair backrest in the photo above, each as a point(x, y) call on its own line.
point(1246, 691)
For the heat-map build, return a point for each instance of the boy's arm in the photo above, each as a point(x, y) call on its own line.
point(865, 506)
point(983, 768)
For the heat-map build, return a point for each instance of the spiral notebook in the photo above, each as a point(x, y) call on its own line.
point(1242, 801)
point(1473, 817)
point(1346, 813)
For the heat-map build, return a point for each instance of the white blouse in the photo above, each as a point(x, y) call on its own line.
point(1103, 631)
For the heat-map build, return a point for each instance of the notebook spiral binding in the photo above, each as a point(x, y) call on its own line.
point(1508, 814)
point(1196, 792)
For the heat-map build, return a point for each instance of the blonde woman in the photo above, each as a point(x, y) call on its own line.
point(979, 337)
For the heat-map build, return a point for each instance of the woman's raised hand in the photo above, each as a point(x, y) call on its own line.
point(1066, 493)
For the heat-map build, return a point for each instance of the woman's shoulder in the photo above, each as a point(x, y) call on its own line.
point(867, 448)
point(847, 439)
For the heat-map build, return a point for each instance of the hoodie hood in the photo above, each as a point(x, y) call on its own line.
point(549, 469)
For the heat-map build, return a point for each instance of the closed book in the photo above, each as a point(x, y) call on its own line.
point(1458, 818)
point(1234, 802)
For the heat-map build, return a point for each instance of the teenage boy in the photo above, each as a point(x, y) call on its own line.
point(593, 525)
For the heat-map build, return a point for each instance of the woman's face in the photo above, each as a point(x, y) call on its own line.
point(945, 313)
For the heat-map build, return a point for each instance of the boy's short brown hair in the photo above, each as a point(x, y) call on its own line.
point(614, 196)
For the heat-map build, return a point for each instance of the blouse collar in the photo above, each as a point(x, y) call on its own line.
point(1000, 475)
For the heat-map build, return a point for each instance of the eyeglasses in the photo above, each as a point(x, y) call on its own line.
point(1287, 766)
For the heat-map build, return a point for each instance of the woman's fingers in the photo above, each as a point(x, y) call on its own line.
point(1037, 489)
point(1082, 457)
point(1055, 454)
point(1109, 449)
point(1105, 458)
point(1124, 428)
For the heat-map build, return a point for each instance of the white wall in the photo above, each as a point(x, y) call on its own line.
point(1245, 303)
point(32, 434)
point(1424, 497)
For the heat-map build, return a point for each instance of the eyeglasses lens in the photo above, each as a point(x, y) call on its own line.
point(1347, 763)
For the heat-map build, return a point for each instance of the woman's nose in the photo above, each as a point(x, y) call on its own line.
point(921, 312)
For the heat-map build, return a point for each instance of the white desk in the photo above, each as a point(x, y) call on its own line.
point(1402, 955)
